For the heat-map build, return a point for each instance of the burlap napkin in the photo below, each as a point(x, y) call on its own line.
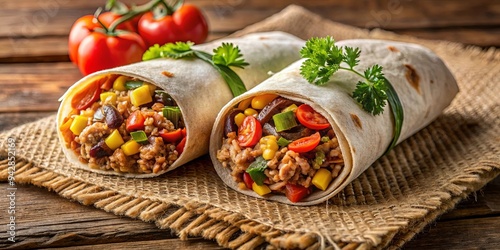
point(386, 206)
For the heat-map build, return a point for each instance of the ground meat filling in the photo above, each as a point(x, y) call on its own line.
point(286, 166)
point(99, 132)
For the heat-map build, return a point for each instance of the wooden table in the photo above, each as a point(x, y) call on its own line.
point(35, 70)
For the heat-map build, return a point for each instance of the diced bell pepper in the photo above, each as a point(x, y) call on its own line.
point(261, 190)
point(78, 124)
point(322, 179)
point(140, 96)
point(114, 140)
point(131, 147)
point(110, 95)
point(119, 83)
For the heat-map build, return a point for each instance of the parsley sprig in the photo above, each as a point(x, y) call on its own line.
point(324, 58)
point(225, 56)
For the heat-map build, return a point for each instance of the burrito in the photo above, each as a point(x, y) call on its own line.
point(297, 143)
point(144, 119)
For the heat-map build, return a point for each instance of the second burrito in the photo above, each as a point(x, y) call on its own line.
point(297, 143)
point(144, 119)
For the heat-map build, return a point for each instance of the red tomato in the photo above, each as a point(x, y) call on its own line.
point(100, 51)
point(108, 83)
point(180, 146)
point(184, 132)
point(296, 193)
point(186, 24)
point(305, 144)
point(308, 117)
point(172, 136)
point(250, 132)
point(82, 28)
point(248, 180)
point(135, 121)
point(87, 96)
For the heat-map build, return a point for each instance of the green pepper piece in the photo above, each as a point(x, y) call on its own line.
point(173, 114)
point(139, 136)
point(256, 170)
point(133, 84)
point(284, 121)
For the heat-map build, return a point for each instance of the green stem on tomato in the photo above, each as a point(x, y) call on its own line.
point(96, 16)
point(133, 12)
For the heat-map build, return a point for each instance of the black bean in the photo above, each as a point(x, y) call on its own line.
point(229, 124)
point(113, 118)
point(273, 108)
point(100, 150)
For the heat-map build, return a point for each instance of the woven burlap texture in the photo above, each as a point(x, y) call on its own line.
point(394, 199)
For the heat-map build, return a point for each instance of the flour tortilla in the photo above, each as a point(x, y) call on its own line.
point(423, 82)
point(197, 87)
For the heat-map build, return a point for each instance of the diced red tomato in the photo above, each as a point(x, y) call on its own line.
point(171, 136)
point(250, 132)
point(296, 193)
point(180, 146)
point(108, 83)
point(305, 144)
point(248, 180)
point(87, 96)
point(184, 132)
point(135, 121)
point(308, 117)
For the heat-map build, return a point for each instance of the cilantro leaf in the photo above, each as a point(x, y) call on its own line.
point(351, 56)
point(229, 55)
point(323, 60)
point(225, 55)
point(169, 50)
point(372, 96)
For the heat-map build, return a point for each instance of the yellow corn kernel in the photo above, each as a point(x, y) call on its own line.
point(78, 124)
point(131, 147)
point(322, 179)
point(270, 137)
point(140, 96)
point(114, 140)
point(259, 102)
point(272, 144)
point(261, 190)
point(244, 104)
point(151, 87)
point(238, 119)
point(107, 95)
point(119, 83)
point(250, 112)
point(292, 107)
point(268, 154)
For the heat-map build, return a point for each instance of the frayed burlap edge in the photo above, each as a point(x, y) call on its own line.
point(232, 230)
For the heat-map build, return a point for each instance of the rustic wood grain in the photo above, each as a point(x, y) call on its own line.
point(37, 30)
point(56, 222)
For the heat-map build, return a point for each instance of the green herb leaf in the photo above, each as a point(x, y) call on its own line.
point(170, 50)
point(139, 136)
point(397, 112)
point(256, 170)
point(229, 55)
point(226, 55)
point(323, 61)
point(351, 56)
point(324, 58)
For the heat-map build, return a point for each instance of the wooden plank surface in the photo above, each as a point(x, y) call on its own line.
point(35, 71)
point(38, 29)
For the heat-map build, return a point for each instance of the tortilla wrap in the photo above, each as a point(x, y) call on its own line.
point(423, 82)
point(196, 86)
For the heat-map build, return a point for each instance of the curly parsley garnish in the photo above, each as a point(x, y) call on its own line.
point(324, 58)
point(224, 57)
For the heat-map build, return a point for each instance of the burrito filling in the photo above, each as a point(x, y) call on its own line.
point(122, 124)
point(275, 145)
